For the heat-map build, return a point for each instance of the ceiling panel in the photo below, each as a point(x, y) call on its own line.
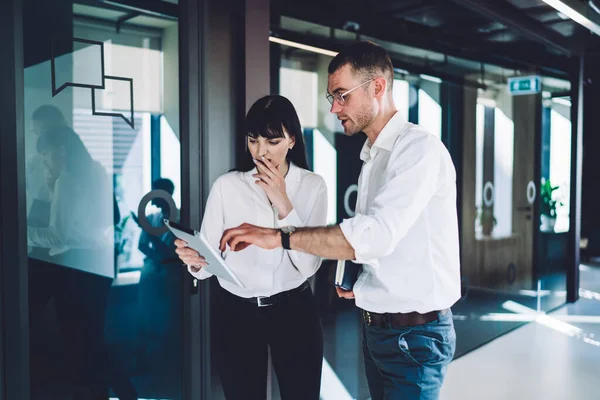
point(97, 12)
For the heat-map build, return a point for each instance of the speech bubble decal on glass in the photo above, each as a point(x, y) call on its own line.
point(115, 97)
point(76, 62)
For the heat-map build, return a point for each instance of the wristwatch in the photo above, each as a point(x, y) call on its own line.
point(286, 232)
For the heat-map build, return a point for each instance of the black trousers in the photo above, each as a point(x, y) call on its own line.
point(292, 330)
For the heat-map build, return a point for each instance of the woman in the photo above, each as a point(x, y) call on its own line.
point(272, 188)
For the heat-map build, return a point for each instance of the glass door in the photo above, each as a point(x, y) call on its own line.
point(497, 234)
point(102, 171)
point(515, 210)
point(554, 200)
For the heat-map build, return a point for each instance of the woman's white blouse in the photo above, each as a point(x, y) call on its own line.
point(235, 198)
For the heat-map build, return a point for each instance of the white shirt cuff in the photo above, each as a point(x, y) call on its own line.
point(352, 232)
point(292, 219)
point(202, 274)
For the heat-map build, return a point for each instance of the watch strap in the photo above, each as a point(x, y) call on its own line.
point(285, 240)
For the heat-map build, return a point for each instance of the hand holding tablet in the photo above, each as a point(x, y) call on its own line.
point(190, 256)
point(207, 257)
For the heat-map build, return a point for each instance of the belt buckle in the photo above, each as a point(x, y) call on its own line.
point(367, 317)
point(263, 301)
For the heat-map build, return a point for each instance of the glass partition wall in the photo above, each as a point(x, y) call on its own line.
point(102, 170)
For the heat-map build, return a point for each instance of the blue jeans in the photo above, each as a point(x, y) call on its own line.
point(408, 363)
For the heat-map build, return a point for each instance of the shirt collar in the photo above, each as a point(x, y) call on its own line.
point(386, 138)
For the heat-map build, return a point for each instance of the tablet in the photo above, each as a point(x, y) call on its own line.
point(198, 242)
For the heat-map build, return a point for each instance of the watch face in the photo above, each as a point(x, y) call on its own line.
point(288, 229)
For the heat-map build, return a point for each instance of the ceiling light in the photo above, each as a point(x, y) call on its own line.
point(430, 78)
point(594, 6)
point(574, 15)
point(302, 46)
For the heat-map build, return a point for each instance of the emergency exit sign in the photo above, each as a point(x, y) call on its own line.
point(524, 85)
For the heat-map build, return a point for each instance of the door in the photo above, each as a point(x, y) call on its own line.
point(102, 155)
point(527, 130)
point(513, 259)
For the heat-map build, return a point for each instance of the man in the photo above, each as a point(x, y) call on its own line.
point(405, 233)
point(38, 181)
point(158, 287)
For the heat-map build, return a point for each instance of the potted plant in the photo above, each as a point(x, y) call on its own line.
point(487, 220)
point(548, 206)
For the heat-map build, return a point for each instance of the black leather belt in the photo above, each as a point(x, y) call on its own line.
point(400, 320)
point(263, 301)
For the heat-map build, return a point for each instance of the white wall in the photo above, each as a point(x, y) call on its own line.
point(328, 123)
point(170, 101)
point(504, 139)
point(301, 88)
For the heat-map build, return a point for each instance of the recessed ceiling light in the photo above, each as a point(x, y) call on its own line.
point(574, 15)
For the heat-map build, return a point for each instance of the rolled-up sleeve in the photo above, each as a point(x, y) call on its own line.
point(306, 263)
point(412, 180)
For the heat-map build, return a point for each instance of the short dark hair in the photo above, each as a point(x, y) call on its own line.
point(50, 114)
point(268, 117)
point(78, 157)
point(164, 184)
point(367, 59)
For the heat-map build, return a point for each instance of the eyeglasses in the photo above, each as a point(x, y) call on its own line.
point(341, 97)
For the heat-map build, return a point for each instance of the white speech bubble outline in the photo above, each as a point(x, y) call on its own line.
point(65, 85)
point(488, 188)
point(130, 121)
point(349, 191)
point(531, 192)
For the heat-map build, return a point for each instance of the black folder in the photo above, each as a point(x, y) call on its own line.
point(346, 275)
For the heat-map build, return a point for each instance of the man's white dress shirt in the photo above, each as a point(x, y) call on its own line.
point(405, 231)
point(235, 198)
point(36, 182)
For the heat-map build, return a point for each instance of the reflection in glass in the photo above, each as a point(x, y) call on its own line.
point(81, 219)
point(105, 301)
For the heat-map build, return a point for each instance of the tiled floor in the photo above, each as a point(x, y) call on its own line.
point(555, 357)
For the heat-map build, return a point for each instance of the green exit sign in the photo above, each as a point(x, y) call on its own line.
point(524, 85)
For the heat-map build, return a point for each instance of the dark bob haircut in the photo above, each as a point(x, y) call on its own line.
point(268, 117)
